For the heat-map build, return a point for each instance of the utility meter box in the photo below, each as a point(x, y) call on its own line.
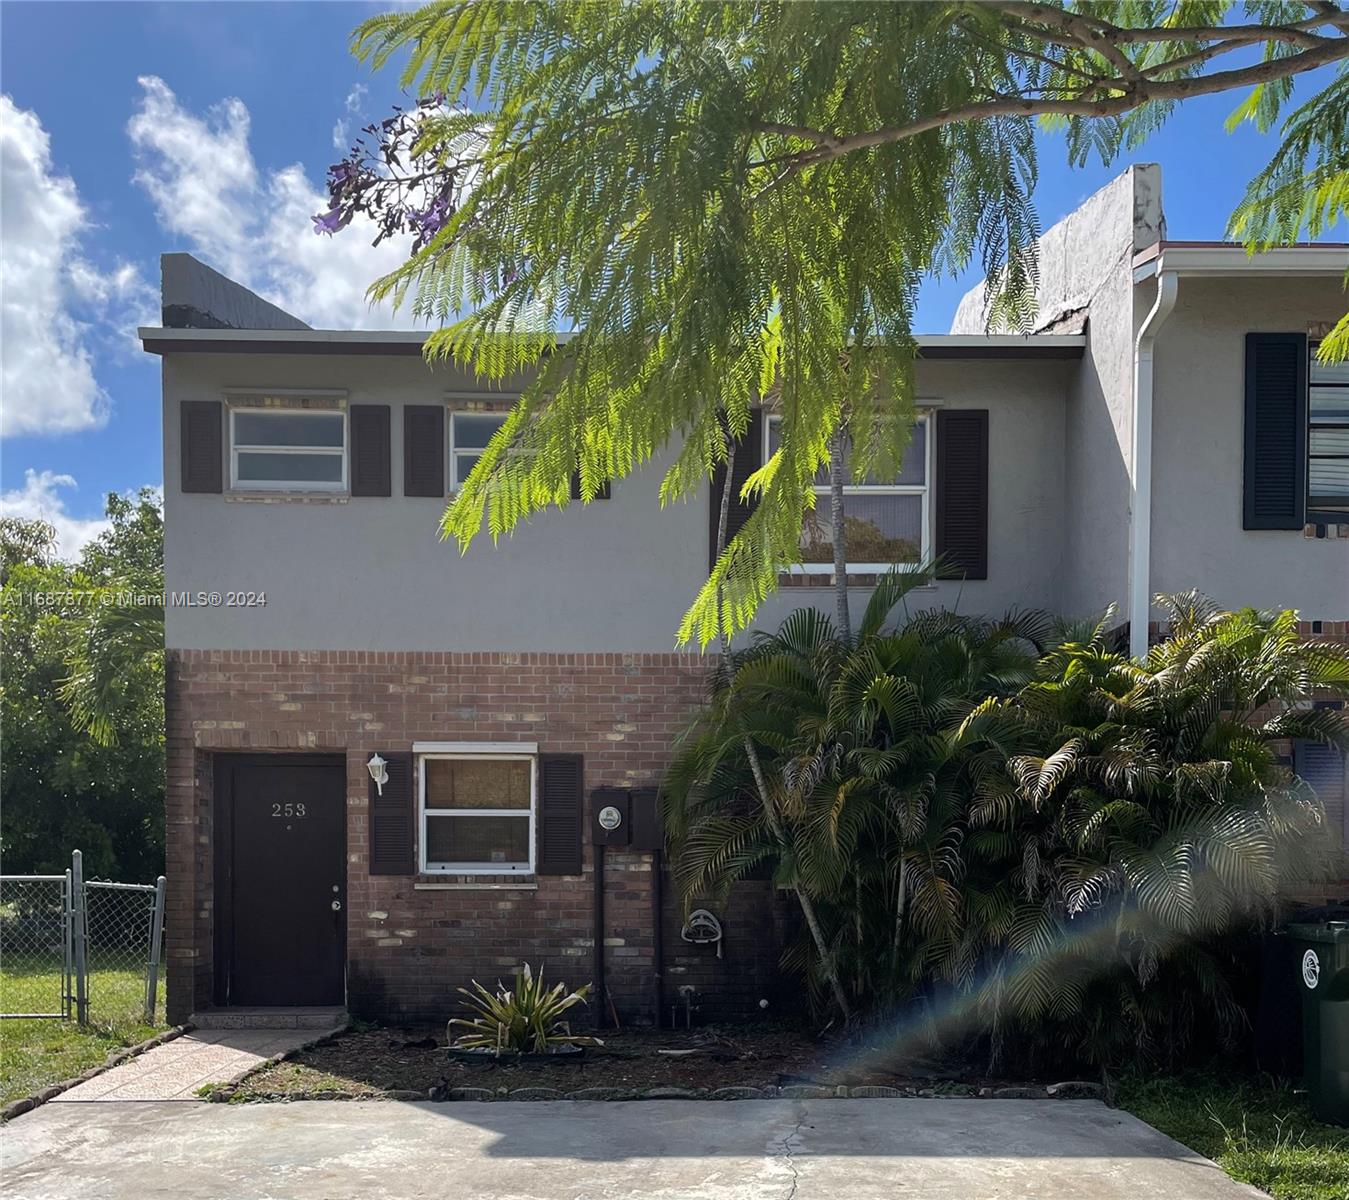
point(610, 821)
point(648, 833)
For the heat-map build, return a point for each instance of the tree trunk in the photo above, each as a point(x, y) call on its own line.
point(843, 618)
point(756, 767)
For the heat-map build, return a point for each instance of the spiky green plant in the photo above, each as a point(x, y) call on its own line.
point(526, 1018)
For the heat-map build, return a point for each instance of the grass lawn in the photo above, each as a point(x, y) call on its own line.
point(1261, 1134)
point(36, 1054)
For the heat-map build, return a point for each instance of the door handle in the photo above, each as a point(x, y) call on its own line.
point(337, 906)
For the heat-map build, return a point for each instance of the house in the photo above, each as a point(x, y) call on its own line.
point(387, 761)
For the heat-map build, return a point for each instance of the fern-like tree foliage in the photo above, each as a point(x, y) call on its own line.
point(1010, 826)
point(723, 204)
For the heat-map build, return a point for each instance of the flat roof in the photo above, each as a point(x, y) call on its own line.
point(157, 340)
point(1225, 259)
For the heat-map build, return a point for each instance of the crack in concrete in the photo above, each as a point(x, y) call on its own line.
point(786, 1151)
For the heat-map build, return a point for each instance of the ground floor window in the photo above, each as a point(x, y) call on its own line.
point(477, 813)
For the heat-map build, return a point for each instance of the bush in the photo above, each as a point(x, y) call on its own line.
point(524, 1019)
point(1008, 827)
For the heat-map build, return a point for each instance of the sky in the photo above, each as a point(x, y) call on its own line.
point(133, 129)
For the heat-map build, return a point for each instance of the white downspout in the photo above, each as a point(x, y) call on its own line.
point(1140, 512)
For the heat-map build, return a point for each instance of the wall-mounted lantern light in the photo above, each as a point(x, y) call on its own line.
point(379, 772)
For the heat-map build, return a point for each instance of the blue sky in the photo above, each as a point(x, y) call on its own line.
point(131, 129)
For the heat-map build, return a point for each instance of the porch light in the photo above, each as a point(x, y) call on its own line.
point(379, 772)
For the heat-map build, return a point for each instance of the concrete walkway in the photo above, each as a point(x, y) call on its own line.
point(568, 1150)
point(175, 1070)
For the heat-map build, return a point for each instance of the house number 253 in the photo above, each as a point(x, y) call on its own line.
point(288, 810)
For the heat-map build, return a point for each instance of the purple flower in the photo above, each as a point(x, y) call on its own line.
point(330, 222)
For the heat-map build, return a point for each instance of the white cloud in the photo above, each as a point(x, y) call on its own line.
point(342, 126)
point(40, 499)
point(254, 224)
point(48, 373)
point(58, 305)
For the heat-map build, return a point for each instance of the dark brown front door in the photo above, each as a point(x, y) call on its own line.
point(281, 841)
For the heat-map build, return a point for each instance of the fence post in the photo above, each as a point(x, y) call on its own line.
point(156, 939)
point(67, 944)
point(80, 932)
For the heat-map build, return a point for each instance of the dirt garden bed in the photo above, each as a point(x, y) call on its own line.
point(398, 1063)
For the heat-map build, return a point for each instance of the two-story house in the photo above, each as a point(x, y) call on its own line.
point(385, 758)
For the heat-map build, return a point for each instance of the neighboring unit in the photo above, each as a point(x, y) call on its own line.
point(386, 759)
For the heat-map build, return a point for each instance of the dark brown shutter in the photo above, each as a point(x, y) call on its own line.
point(393, 819)
point(561, 814)
point(1274, 481)
point(370, 450)
point(424, 450)
point(962, 493)
point(202, 445)
point(1322, 767)
point(648, 830)
point(602, 494)
point(748, 459)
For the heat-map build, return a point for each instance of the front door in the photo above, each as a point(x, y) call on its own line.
point(282, 935)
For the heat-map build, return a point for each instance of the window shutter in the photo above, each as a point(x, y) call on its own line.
point(748, 459)
point(393, 819)
point(603, 494)
point(1322, 767)
point(561, 814)
point(424, 450)
point(1274, 481)
point(962, 493)
point(370, 450)
point(202, 445)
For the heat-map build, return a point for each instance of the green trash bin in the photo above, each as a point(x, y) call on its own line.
point(1321, 959)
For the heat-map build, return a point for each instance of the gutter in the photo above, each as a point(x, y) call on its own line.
point(1140, 506)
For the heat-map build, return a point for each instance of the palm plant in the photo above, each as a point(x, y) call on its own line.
point(526, 1018)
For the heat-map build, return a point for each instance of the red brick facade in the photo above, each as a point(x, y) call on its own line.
point(411, 940)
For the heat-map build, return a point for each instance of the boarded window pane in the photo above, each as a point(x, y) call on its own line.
point(255, 467)
point(1328, 372)
point(477, 783)
point(1328, 477)
point(1329, 404)
point(503, 840)
point(878, 529)
point(472, 431)
point(287, 429)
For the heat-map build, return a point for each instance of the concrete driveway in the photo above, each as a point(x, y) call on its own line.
point(735, 1150)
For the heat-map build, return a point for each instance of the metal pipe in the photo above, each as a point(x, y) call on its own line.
point(1140, 498)
point(657, 933)
point(600, 996)
point(80, 936)
point(156, 938)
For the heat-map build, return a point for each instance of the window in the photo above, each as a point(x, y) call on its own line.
point(477, 813)
point(1328, 441)
point(288, 449)
point(469, 434)
point(886, 523)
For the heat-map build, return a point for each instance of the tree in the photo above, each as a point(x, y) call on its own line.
point(733, 202)
point(82, 701)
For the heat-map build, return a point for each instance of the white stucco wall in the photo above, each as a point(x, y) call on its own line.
point(616, 575)
point(1197, 538)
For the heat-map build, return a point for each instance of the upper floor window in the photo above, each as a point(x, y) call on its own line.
point(469, 434)
point(1328, 440)
point(288, 449)
point(477, 813)
point(884, 522)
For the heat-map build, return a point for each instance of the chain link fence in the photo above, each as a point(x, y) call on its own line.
point(35, 951)
point(90, 949)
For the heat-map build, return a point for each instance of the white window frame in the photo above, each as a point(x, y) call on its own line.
point(475, 868)
point(282, 485)
point(453, 452)
point(878, 489)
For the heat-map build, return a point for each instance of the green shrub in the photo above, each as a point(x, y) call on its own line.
point(524, 1019)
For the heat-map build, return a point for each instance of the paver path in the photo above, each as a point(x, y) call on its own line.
point(569, 1150)
point(175, 1070)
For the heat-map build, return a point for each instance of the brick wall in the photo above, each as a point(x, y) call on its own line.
point(411, 940)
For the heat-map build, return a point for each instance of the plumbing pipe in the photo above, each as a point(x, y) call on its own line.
point(1140, 497)
point(657, 933)
point(601, 1015)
